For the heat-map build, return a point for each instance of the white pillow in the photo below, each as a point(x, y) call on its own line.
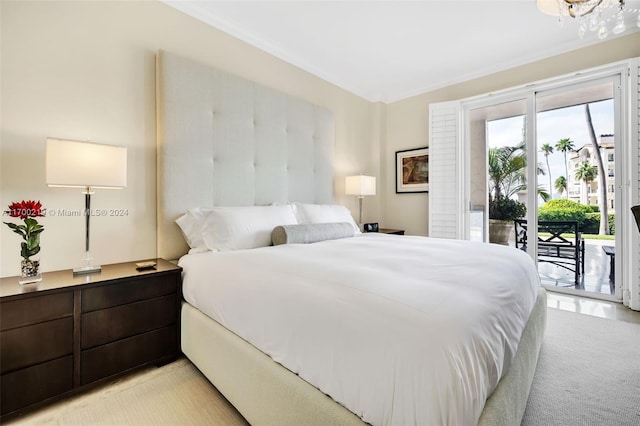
point(324, 213)
point(190, 224)
point(237, 228)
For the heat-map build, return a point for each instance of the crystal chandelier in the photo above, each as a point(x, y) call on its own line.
point(593, 15)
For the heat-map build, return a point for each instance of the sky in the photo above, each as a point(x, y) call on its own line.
point(552, 126)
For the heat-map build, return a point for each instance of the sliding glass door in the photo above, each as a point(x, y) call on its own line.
point(498, 140)
point(579, 147)
point(545, 176)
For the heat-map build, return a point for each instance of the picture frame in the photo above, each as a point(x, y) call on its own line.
point(412, 170)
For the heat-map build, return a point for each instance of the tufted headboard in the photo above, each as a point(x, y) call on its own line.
point(226, 141)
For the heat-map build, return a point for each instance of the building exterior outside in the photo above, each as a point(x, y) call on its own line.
point(589, 193)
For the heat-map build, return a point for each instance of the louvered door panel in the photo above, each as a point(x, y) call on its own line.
point(445, 160)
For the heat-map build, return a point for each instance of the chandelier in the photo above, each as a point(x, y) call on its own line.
point(593, 15)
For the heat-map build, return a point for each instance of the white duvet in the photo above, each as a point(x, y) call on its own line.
point(399, 330)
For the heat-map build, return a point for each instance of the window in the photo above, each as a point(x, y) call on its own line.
point(610, 157)
point(610, 172)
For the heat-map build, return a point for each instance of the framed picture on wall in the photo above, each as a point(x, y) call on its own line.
point(412, 170)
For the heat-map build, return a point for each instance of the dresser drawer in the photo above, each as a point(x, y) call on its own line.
point(22, 347)
point(122, 355)
point(34, 384)
point(130, 291)
point(108, 325)
point(32, 310)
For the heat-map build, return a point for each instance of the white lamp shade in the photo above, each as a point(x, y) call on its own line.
point(360, 185)
point(85, 164)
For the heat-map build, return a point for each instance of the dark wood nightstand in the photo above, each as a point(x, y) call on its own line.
point(391, 231)
point(67, 331)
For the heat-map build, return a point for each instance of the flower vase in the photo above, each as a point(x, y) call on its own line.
point(30, 271)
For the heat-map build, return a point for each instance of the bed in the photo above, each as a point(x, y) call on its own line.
point(215, 131)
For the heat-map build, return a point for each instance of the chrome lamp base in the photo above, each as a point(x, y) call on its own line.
point(89, 269)
point(87, 266)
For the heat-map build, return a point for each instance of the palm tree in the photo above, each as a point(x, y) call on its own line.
point(507, 175)
point(508, 172)
point(602, 199)
point(547, 149)
point(586, 173)
point(564, 145)
point(561, 185)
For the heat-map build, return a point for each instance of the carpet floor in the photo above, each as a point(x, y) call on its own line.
point(588, 374)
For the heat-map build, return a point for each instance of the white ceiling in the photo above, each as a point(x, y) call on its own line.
point(390, 50)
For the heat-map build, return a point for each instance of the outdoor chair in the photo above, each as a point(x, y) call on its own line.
point(568, 253)
point(636, 214)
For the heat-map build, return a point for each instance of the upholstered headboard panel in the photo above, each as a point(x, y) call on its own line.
point(226, 141)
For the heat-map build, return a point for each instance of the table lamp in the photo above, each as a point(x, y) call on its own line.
point(360, 186)
point(74, 164)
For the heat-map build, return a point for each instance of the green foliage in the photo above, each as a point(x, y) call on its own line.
point(563, 210)
point(507, 176)
point(592, 223)
point(506, 209)
point(587, 217)
point(565, 145)
point(546, 149)
point(561, 185)
point(612, 224)
point(586, 172)
point(30, 233)
point(507, 171)
point(562, 203)
point(562, 215)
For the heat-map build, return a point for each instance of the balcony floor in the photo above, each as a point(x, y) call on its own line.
point(596, 272)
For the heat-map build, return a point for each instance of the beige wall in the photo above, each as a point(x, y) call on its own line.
point(407, 120)
point(84, 70)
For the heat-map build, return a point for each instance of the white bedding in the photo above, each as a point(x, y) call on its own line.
point(399, 330)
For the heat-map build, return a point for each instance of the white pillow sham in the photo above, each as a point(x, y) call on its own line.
point(324, 213)
point(190, 224)
point(237, 228)
point(232, 228)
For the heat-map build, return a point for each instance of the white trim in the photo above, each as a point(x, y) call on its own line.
point(546, 85)
point(580, 293)
point(532, 176)
point(465, 135)
point(631, 98)
point(623, 184)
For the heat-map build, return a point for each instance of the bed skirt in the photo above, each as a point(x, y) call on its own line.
point(266, 393)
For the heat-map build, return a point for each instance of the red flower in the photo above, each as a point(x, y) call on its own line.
point(25, 209)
